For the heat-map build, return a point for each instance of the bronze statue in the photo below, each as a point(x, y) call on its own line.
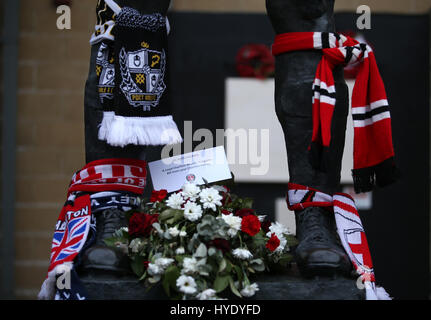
point(319, 251)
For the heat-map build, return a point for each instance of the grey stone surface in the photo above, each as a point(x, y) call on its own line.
point(288, 285)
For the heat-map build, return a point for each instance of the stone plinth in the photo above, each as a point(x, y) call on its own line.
point(288, 285)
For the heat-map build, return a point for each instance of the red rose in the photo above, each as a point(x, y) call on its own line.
point(250, 224)
point(146, 263)
point(273, 242)
point(265, 225)
point(158, 195)
point(141, 224)
point(220, 244)
point(225, 212)
point(244, 212)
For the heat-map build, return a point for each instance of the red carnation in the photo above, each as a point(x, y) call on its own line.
point(158, 195)
point(250, 224)
point(244, 212)
point(273, 243)
point(220, 244)
point(141, 224)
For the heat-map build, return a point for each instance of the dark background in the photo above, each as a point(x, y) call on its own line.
point(202, 55)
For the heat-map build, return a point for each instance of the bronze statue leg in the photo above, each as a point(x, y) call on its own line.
point(318, 251)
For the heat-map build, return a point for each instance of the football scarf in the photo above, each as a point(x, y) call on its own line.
point(373, 156)
point(132, 76)
point(101, 184)
point(349, 229)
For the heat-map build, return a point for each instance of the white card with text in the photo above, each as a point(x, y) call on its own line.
point(171, 173)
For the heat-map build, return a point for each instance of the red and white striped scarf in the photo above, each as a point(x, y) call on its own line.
point(373, 156)
point(73, 224)
point(349, 228)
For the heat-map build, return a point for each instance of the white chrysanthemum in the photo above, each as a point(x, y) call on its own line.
point(242, 254)
point(282, 245)
point(175, 201)
point(186, 284)
point(173, 232)
point(180, 250)
point(154, 269)
point(278, 229)
point(192, 211)
point(164, 262)
point(233, 222)
point(136, 245)
point(208, 294)
point(190, 191)
point(189, 265)
point(183, 233)
point(210, 198)
point(250, 290)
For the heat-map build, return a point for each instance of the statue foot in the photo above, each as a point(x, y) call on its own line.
point(101, 257)
point(319, 251)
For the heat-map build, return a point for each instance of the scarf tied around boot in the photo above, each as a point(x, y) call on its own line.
point(373, 155)
point(100, 185)
point(349, 229)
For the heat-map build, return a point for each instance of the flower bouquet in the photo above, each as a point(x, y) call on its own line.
point(201, 242)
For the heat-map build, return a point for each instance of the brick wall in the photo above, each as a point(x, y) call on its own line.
point(53, 65)
point(50, 131)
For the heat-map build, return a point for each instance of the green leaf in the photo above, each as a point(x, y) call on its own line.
point(247, 203)
point(110, 242)
point(258, 265)
point(170, 278)
point(233, 288)
point(201, 251)
point(137, 265)
point(291, 241)
point(222, 266)
point(221, 283)
point(169, 213)
point(238, 272)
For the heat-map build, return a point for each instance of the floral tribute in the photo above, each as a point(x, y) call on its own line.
point(201, 242)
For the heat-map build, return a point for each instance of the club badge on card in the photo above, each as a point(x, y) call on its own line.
point(172, 173)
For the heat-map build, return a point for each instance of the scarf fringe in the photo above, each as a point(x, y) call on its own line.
point(383, 174)
point(48, 289)
point(120, 131)
point(105, 125)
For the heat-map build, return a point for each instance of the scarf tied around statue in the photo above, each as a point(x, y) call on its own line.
point(373, 153)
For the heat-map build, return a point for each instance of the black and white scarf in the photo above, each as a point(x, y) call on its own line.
point(131, 67)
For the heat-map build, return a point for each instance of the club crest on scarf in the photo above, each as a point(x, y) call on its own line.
point(142, 74)
point(105, 71)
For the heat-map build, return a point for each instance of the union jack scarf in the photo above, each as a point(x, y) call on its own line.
point(99, 185)
point(373, 156)
point(349, 229)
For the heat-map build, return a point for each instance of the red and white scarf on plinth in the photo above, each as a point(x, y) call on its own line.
point(73, 224)
point(349, 229)
point(373, 156)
